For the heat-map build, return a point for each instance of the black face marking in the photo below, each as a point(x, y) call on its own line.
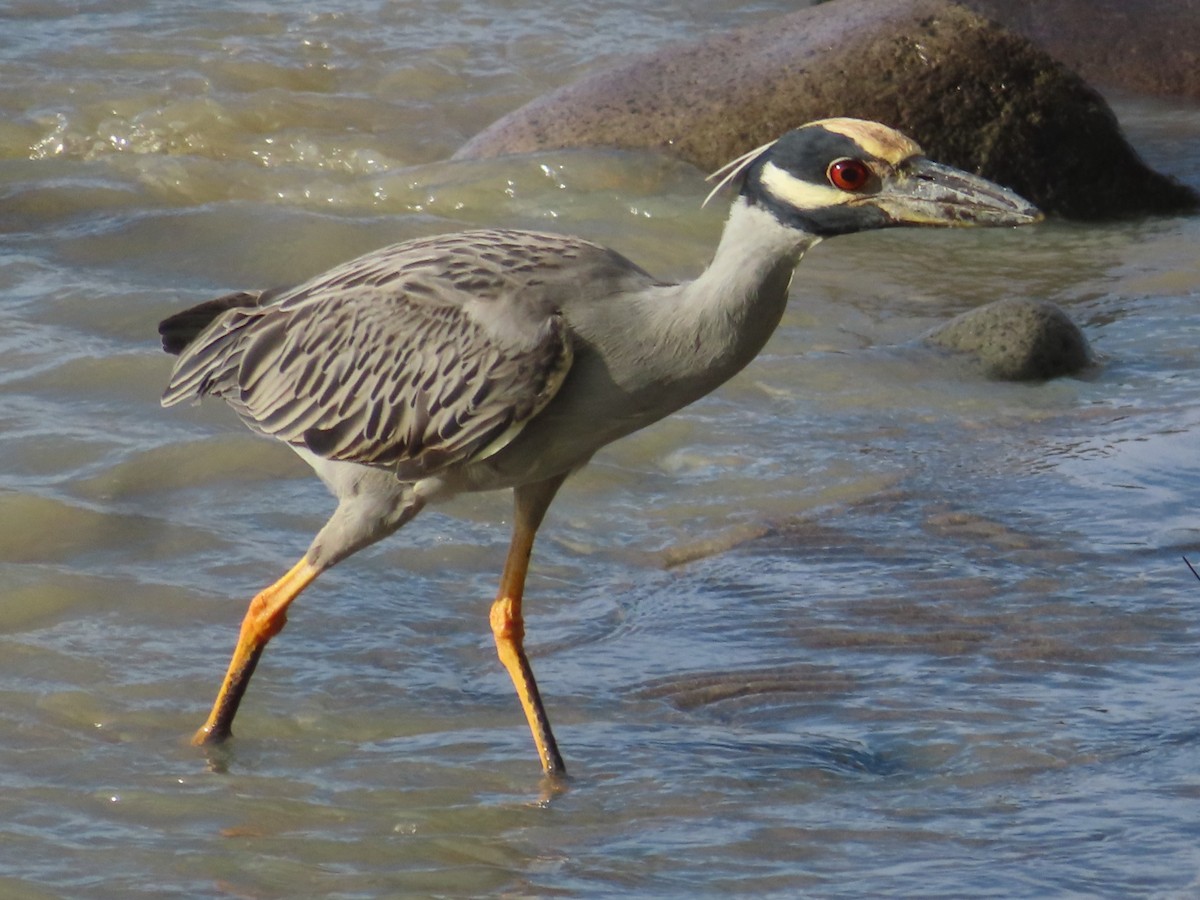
point(806, 154)
point(832, 220)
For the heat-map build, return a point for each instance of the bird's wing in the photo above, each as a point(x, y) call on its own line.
point(412, 358)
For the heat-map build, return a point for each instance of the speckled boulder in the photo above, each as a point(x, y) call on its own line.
point(1016, 340)
point(972, 93)
point(1145, 46)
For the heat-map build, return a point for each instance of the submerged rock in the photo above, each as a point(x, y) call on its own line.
point(972, 93)
point(1016, 340)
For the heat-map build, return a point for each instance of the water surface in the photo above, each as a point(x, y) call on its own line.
point(860, 624)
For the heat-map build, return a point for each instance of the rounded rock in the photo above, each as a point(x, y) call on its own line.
point(973, 94)
point(1017, 339)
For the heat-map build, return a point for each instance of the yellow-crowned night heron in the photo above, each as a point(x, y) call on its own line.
point(506, 359)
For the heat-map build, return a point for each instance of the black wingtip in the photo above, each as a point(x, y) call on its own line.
point(180, 329)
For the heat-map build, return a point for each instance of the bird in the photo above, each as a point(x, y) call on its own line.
point(501, 359)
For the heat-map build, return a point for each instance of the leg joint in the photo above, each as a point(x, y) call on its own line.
point(506, 621)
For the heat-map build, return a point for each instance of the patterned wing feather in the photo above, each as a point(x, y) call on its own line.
point(412, 358)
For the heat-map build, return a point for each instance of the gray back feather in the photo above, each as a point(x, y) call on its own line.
point(412, 357)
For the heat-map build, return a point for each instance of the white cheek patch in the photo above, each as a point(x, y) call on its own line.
point(800, 194)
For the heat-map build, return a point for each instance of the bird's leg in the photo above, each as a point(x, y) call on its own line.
point(508, 625)
point(264, 619)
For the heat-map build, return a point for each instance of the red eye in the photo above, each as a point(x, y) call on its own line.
point(848, 174)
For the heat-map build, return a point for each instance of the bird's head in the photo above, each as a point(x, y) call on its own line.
point(839, 176)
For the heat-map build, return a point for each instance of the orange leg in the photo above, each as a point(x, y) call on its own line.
point(508, 625)
point(264, 619)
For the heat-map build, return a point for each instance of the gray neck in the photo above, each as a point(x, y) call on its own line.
point(641, 354)
point(735, 305)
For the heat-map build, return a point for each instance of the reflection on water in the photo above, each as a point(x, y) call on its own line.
point(857, 625)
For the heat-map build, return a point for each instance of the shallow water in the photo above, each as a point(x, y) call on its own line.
point(860, 624)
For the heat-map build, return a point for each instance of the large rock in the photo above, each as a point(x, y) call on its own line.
point(1016, 340)
point(973, 94)
point(1145, 46)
